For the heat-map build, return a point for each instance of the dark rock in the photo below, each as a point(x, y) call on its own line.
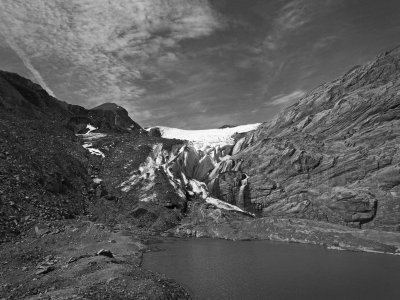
point(110, 116)
point(155, 132)
point(103, 252)
point(231, 187)
point(111, 198)
point(45, 270)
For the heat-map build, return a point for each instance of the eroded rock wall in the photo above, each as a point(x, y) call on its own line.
point(333, 155)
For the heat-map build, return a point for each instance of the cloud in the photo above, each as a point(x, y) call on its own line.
point(27, 63)
point(285, 99)
point(103, 48)
point(290, 18)
point(325, 42)
point(295, 15)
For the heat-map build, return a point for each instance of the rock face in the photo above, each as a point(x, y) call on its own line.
point(108, 117)
point(111, 115)
point(156, 132)
point(334, 155)
point(230, 187)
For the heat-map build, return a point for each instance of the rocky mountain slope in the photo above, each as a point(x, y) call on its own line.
point(51, 195)
point(25, 99)
point(43, 167)
point(334, 155)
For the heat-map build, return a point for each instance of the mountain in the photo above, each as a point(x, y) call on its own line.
point(42, 167)
point(332, 156)
point(324, 168)
point(26, 99)
point(45, 170)
point(107, 117)
point(57, 215)
point(20, 96)
point(109, 106)
point(88, 191)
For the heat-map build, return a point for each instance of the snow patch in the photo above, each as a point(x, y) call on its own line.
point(146, 171)
point(95, 151)
point(90, 127)
point(198, 188)
point(91, 135)
point(97, 180)
point(224, 205)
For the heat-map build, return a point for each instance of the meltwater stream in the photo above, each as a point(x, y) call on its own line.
point(219, 269)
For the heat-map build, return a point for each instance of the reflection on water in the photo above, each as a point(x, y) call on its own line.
point(219, 269)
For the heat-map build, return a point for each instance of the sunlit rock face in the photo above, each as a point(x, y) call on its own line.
point(334, 154)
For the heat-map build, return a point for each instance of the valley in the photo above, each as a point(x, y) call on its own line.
point(76, 181)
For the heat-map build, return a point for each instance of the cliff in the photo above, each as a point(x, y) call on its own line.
point(332, 156)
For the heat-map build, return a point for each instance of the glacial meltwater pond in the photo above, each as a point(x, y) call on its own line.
point(219, 269)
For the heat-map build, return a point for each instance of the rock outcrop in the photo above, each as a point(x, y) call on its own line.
point(108, 117)
point(156, 132)
point(111, 115)
point(333, 155)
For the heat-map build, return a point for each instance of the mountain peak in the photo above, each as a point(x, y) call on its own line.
point(108, 106)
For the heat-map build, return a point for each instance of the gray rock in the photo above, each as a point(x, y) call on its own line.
point(333, 155)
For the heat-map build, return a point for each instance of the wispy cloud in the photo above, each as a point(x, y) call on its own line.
point(324, 42)
point(282, 99)
point(104, 47)
point(294, 16)
point(291, 17)
point(27, 63)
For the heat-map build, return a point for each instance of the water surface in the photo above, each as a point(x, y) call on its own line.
point(219, 269)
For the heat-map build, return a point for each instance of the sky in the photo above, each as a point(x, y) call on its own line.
point(192, 64)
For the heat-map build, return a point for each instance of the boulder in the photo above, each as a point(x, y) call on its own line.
point(155, 132)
